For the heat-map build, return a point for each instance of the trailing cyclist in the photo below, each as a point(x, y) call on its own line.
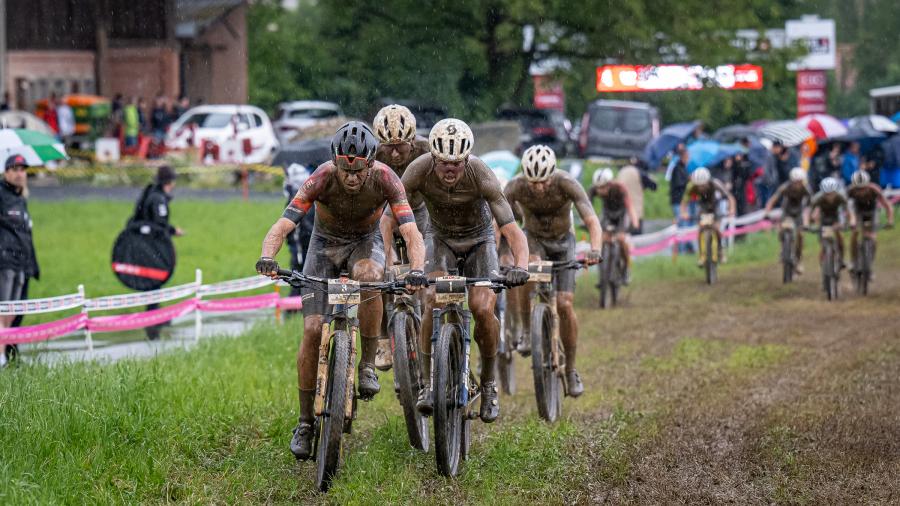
point(542, 198)
point(616, 207)
point(794, 195)
point(864, 198)
point(395, 128)
point(830, 204)
point(464, 198)
point(350, 193)
point(708, 191)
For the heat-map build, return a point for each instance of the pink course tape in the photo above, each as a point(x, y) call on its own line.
point(294, 303)
point(140, 320)
point(240, 303)
point(43, 331)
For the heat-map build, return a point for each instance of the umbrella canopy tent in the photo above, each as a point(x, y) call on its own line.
point(734, 133)
point(874, 122)
point(823, 126)
point(786, 132)
point(37, 148)
point(667, 141)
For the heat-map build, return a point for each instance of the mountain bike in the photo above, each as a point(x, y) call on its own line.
point(789, 239)
point(548, 360)
point(830, 262)
point(335, 399)
point(612, 269)
point(455, 388)
point(865, 256)
point(707, 239)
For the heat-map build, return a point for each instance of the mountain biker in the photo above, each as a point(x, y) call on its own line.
point(542, 198)
point(616, 206)
point(350, 193)
point(705, 188)
point(795, 195)
point(864, 198)
point(830, 204)
point(464, 198)
point(395, 128)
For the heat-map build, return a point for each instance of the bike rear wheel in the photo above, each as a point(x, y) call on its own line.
point(506, 370)
point(449, 413)
point(711, 274)
point(408, 376)
point(547, 381)
point(830, 270)
point(606, 276)
point(865, 266)
point(331, 423)
point(787, 256)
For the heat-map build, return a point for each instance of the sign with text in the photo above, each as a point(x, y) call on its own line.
point(638, 78)
point(818, 37)
point(548, 93)
point(812, 92)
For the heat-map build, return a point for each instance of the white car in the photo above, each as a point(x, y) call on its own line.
point(295, 116)
point(242, 133)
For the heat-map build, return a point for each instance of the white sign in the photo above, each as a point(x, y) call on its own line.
point(818, 36)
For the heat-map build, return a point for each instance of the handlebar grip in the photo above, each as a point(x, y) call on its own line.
point(285, 273)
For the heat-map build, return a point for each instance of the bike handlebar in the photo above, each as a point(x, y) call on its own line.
point(392, 287)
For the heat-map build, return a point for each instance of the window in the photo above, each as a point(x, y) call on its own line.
point(312, 113)
point(635, 121)
point(209, 119)
point(605, 118)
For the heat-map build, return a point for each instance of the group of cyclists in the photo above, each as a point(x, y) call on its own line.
point(453, 214)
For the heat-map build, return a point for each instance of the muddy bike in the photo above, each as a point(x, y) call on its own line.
point(612, 269)
point(335, 399)
point(830, 262)
point(548, 360)
point(506, 349)
point(455, 389)
point(865, 256)
point(710, 249)
point(789, 237)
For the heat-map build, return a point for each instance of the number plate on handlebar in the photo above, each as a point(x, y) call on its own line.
point(787, 223)
point(343, 292)
point(827, 232)
point(707, 219)
point(540, 272)
point(450, 289)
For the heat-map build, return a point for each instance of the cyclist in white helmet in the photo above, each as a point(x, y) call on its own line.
point(542, 198)
point(463, 198)
point(707, 191)
point(616, 208)
point(828, 207)
point(864, 197)
point(795, 196)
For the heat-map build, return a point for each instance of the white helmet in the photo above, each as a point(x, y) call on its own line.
point(538, 163)
point(451, 140)
point(797, 174)
point(829, 185)
point(394, 124)
point(860, 177)
point(701, 176)
point(602, 176)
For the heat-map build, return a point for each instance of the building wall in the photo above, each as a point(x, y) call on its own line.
point(216, 63)
point(33, 75)
point(141, 72)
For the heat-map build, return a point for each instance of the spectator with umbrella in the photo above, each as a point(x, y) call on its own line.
point(678, 178)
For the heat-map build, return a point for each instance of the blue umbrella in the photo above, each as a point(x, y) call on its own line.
point(707, 153)
point(896, 117)
point(667, 141)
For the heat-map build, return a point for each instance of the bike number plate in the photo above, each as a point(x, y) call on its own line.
point(787, 223)
point(707, 219)
point(450, 289)
point(540, 272)
point(343, 291)
point(827, 233)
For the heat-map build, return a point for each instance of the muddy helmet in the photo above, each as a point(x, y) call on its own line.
point(451, 140)
point(797, 174)
point(602, 176)
point(394, 124)
point(354, 139)
point(701, 176)
point(538, 163)
point(860, 177)
point(829, 185)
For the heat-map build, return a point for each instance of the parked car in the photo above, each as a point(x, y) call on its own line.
point(539, 126)
point(617, 128)
point(291, 117)
point(224, 125)
point(426, 114)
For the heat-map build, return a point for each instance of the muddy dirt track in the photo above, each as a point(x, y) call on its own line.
point(745, 392)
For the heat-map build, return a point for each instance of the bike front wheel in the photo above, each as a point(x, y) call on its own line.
point(449, 409)
point(331, 423)
point(409, 377)
point(547, 379)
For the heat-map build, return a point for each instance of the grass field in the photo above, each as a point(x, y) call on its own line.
point(746, 392)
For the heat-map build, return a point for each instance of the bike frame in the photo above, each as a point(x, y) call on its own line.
point(456, 314)
point(339, 319)
point(708, 226)
point(543, 274)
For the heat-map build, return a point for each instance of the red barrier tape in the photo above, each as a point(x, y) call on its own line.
point(44, 331)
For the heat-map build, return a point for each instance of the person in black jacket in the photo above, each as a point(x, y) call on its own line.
point(153, 207)
point(18, 261)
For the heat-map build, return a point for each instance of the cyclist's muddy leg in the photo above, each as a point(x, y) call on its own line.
point(839, 240)
point(799, 246)
point(626, 252)
point(487, 328)
point(307, 360)
point(371, 309)
point(854, 241)
point(568, 326)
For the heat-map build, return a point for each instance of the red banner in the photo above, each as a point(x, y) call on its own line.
point(548, 94)
point(812, 92)
point(637, 78)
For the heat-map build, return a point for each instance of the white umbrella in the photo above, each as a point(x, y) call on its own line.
point(789, 133)
point(877, 122)
point(37, 148)
point(823, 126)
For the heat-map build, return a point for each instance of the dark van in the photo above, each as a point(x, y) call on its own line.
point(617, 129)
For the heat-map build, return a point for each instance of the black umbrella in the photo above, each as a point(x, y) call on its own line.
point(309, 153)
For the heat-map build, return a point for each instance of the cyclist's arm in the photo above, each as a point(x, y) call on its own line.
point(814, 208)
point(885, 204)
point(586, 211)
point(511, 197)
point(387, 226)
point(774, 199)
point(275, 237)
point(412, 179)
point(518, 244)
point(732, 203)
point(415, 246)
point(851, 212)
point(686, 199)
point(632, 214)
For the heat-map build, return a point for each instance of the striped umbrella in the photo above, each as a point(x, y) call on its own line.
point(787, 132)
point(37, 148)
point(875, 122)
point(823, 126)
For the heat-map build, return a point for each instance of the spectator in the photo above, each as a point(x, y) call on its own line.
point(851, 162)
point(826, 165)
point(180, 108)
point(678, 179)
point(66, 119)
point(630, 177)
point(740, 176)
point(786, 160)
point(143, 124)
point(4, 106)
point(50, 113)
point(159, 117)
point(116, 118)
point(873, 163)
point(18, 261)
point(131, 120)
point(153, 207)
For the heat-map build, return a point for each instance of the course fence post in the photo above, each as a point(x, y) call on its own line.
point(198, 318)
point(88, 340)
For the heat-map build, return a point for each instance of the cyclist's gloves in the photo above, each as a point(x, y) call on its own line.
point(593, 257)
point(267, 266)
point(416, 279)
point(516, 276)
